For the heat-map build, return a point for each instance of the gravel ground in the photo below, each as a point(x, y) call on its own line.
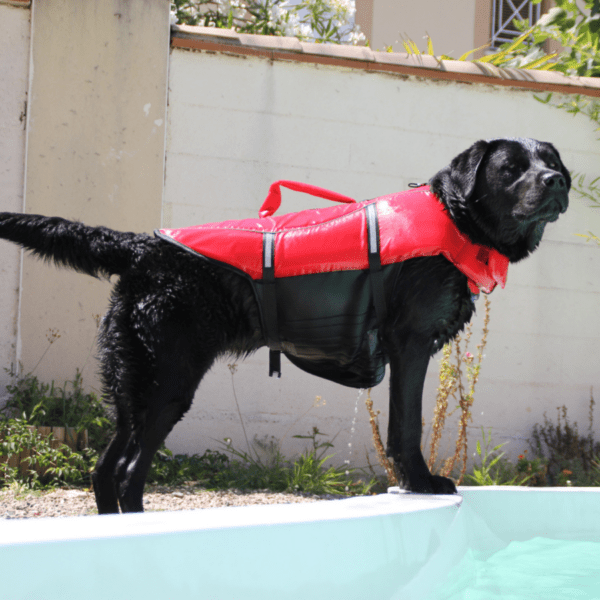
point(76, 502)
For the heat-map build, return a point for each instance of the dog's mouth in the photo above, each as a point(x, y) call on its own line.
point(549, 212)
point(554, 214)
point(555, 208)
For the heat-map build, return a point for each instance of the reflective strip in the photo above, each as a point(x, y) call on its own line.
point(269, 248)
point(372, 228)
point(377, 287)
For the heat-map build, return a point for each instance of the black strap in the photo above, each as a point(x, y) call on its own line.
point(270, 294)
point(375, 263)
point(270, 304)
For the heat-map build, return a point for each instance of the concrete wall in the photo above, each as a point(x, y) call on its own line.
point(454, 27)
point(237, 123)
point(14, 78)
point(95, 152)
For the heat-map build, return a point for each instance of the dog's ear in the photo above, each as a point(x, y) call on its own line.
point(563, 169)
point(458, 179)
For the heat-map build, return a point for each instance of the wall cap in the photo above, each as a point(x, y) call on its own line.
point(363, 58)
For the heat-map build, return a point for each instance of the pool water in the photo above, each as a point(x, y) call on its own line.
point(528, 570)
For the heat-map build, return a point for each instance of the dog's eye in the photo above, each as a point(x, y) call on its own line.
point(553, 165)
point(510, 168)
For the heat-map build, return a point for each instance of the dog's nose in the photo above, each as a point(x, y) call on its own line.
point(554, 181)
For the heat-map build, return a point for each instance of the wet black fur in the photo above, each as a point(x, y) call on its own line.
point(171, 314)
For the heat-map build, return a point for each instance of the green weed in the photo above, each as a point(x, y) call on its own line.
point(493, 468)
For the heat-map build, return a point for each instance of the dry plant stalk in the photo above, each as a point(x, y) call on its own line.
point(384, 461)
point(464, 404)
point(451, 385)
point(446, 388)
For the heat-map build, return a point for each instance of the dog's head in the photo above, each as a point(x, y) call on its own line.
point(503, 192)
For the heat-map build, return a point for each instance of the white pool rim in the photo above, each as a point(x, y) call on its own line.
point(390, 546)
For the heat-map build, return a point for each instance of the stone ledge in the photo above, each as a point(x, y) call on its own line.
point(360, 57)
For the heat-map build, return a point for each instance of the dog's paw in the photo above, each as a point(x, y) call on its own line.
point(442, 485)
point(420, 481)
point(432, 484)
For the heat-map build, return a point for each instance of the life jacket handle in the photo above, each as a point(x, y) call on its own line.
point(273, 200)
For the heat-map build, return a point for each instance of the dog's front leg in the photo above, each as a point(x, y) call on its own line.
point(408, 367)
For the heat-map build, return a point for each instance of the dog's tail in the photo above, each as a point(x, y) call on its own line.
point(96, 251)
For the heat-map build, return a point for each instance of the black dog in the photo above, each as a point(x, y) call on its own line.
point(172, 314)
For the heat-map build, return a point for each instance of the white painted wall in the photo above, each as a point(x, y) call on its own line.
point(238, 123)
point(14, 78)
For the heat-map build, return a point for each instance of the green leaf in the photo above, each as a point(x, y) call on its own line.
point(537, 64)
point(464, 56)
point(518, 42)
point(430, 47)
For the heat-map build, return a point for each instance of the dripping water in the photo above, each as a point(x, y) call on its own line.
point(352, 430)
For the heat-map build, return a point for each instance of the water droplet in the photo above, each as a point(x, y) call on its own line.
point(353, 430)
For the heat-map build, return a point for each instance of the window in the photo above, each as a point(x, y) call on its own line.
point(504, 12)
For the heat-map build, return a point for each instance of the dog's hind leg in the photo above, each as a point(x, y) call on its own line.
point(166, 405)
point(132, 472)
point(178, 368)
point(150, 371)
point(103, 475)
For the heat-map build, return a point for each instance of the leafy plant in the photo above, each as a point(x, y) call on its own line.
point(493, 468)
point(503, 57)
point(575, 27)
point(264, 468)
point(206, 470)
point(325, 21)
point(308, 473)
point(565, 449)
point(536, 468)
point(44, 465)
point(42, 404)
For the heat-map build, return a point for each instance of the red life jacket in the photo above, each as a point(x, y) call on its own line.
point(326, 273)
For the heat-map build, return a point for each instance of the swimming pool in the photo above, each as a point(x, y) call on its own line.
point(392, 546)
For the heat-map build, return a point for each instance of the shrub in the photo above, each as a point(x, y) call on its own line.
point(41, 464)
point(570, 455)
point(41, 404)
point(266, 468)
point(309, 20)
